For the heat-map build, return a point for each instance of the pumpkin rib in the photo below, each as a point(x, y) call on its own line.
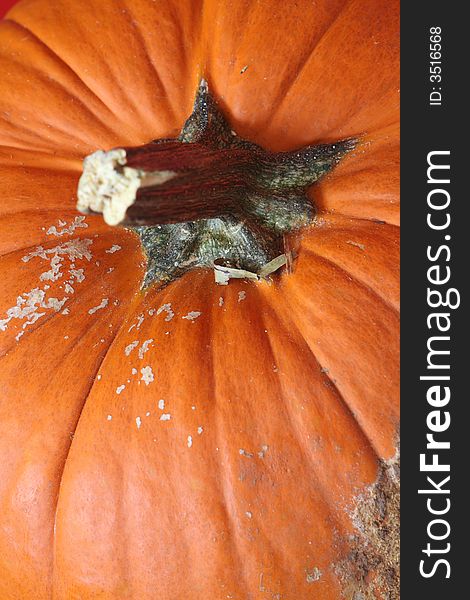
point(293, 326)
point(77, 423)
point(355, 278)
point(83, 341)
point(229, 505)
point(227, 485)
point(24, 129)
point(374, 166)
point(367, 94)
point(356, 406)
point(57, 58)
point(277, 102)
point(74, 131)
point(59, 164)
point(301, 440)
point(223, 481)
point(42, 322)
point(223, 484)
point(94, 277)
point(226, 469)
point(148, 54)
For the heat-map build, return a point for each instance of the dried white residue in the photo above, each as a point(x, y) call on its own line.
point(28, 303)
point(190, 441)
point(134, 371)
point(28, 307)
point(74, 249)
point(120, 389)
point(103, 304)
point(165, 417)
point(169, 312)
point(245, 453)
point(249, 514)
point(113, 249)
point(145, 347)
point(241, 296)
point(200, 430)
point(313, 575)
point(263, 451)
point(77, 274)
point(54, 273)
point(138, 422)
point(192, 315)
point(221, 301)
point(147, 375)
point(161, 404)
point(128, 349)
point(32, 305)
point(140, 320)
point(109, 417)
point(77, 222)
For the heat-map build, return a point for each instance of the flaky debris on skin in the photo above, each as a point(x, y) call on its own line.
point(208, 195)
point(371, 569)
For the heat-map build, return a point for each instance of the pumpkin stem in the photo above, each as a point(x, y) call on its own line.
point(207, 174)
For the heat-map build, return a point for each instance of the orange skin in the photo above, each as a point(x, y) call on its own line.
point(92, 507)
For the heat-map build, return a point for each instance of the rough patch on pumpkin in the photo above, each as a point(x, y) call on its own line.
point(371, 568)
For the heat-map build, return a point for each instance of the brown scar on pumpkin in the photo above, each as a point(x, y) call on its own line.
point(371, 568)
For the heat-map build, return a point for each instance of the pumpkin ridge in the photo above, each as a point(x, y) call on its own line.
point(56, 167)
point(16, 127)
point(35, 245)
point(124, 322)
point(282, 97)
point(78, 100)
point(151, 63)
point(302, 342)
point(301, 440)
point(363, 421)
point(234, 518)
point(355, 278)
point(223, 482)
point(56, 57)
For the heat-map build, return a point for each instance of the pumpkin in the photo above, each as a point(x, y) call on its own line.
point(194, 440)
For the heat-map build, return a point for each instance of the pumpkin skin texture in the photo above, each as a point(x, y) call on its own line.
point(294, 384)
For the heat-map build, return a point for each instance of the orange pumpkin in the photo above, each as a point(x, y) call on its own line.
point(197, 441)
